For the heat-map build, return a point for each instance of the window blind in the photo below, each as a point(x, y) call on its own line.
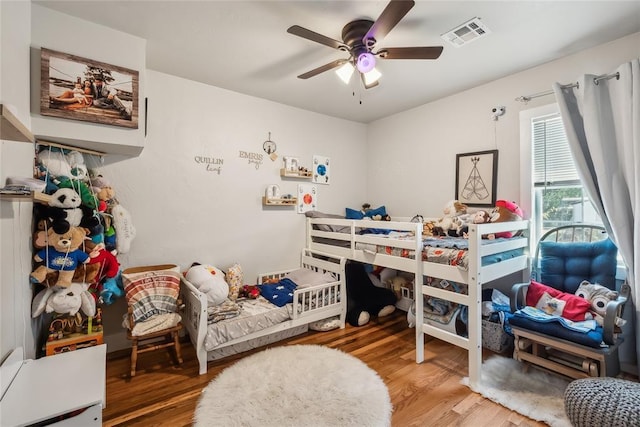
point(552, 160)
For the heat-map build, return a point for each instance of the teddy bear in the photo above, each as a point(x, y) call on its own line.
point(65, 209)
point(62, 254)
point(210, 281)
point(68, 300)
point(103, 190)
point(364, 299)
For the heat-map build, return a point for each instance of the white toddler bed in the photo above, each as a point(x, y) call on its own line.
point(260, 322)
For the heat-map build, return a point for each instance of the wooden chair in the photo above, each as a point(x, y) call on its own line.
point(165, 338)
point(564, 257)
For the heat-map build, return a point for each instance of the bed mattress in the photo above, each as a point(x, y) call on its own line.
point(254, 316)
point(442, 250)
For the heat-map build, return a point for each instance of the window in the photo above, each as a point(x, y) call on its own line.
point(552, 189)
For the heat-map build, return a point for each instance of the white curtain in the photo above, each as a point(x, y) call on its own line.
point(602, 121)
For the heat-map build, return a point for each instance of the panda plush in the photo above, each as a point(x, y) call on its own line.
point(66, 210)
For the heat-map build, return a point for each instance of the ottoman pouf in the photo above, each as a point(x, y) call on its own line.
point(591, 402)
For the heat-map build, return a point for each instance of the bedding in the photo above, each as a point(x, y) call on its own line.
point(233, 320)
point(440, 250)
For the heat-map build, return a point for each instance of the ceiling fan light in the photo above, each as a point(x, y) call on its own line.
point(366, 62)
point(372, 77)
point(345, 72)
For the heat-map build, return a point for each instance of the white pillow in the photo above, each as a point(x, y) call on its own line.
point(303, 277)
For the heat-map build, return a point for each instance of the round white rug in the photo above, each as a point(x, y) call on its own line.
point(299, 385)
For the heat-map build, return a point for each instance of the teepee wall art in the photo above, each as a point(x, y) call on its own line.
point(476, 178)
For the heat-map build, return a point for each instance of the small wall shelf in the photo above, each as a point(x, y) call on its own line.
point(11, 129)
point(33, 197)
point(279, 202)
point(295, 174)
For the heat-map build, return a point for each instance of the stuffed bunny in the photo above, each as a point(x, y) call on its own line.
point(67, 300)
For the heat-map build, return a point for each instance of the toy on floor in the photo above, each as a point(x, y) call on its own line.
point(364, 299)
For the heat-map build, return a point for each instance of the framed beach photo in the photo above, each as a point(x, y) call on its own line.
point(78, 88)
point(476, 178)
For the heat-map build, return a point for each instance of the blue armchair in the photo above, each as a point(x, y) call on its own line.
point(564, 258)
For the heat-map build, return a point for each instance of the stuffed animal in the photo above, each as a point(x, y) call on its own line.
point(53, 164)
point(479, 217)
point(506, 211)
point(79, 169)
point(598, 296)
point(103, 190)
point(249, 291)
point(112, 288)
point(364, 299)
point(210, 281)
point(68, 300)
point(62, 254)
point(455, 214)
point(123, 225)
point(86, 195)
point(66, 210)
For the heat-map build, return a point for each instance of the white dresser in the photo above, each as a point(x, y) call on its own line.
point(68, 387)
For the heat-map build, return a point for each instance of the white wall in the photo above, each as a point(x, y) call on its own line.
point(418, 147)
point(16, 159)
point(183, 213)
point(63, 33)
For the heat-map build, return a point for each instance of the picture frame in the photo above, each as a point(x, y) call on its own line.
point(60, 97)
point(477, 178)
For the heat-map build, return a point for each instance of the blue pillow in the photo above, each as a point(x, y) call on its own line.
point(353, 214)
point(356, 214)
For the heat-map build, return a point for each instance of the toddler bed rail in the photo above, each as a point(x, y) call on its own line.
point(310, 304)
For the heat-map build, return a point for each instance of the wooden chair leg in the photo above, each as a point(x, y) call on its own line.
point(176, 341)
point(134, 357)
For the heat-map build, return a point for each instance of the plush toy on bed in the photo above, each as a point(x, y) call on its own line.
point(210, 281)
point(455, 215)
point(364, 299)
point(506, 211)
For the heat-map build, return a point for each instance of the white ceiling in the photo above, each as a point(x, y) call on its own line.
point(244, 46)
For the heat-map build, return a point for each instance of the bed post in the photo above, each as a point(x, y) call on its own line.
point(475, 296)
point(418, 296)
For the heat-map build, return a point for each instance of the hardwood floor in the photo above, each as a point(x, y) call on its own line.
point(428, 394)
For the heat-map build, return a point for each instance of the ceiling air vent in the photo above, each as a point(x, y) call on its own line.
point(463, 34)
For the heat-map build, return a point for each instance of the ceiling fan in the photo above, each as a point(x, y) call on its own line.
point(359, 38)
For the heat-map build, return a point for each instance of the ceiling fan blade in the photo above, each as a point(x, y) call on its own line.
point(299, 31)
point(424, 52)
point(322, 69)
point(364, 83)
point(389, 18)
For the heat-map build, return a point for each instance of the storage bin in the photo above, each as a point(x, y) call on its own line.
point(495, 338)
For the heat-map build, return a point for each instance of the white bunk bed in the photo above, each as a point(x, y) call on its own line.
point(310, 304)
point(344, 238)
